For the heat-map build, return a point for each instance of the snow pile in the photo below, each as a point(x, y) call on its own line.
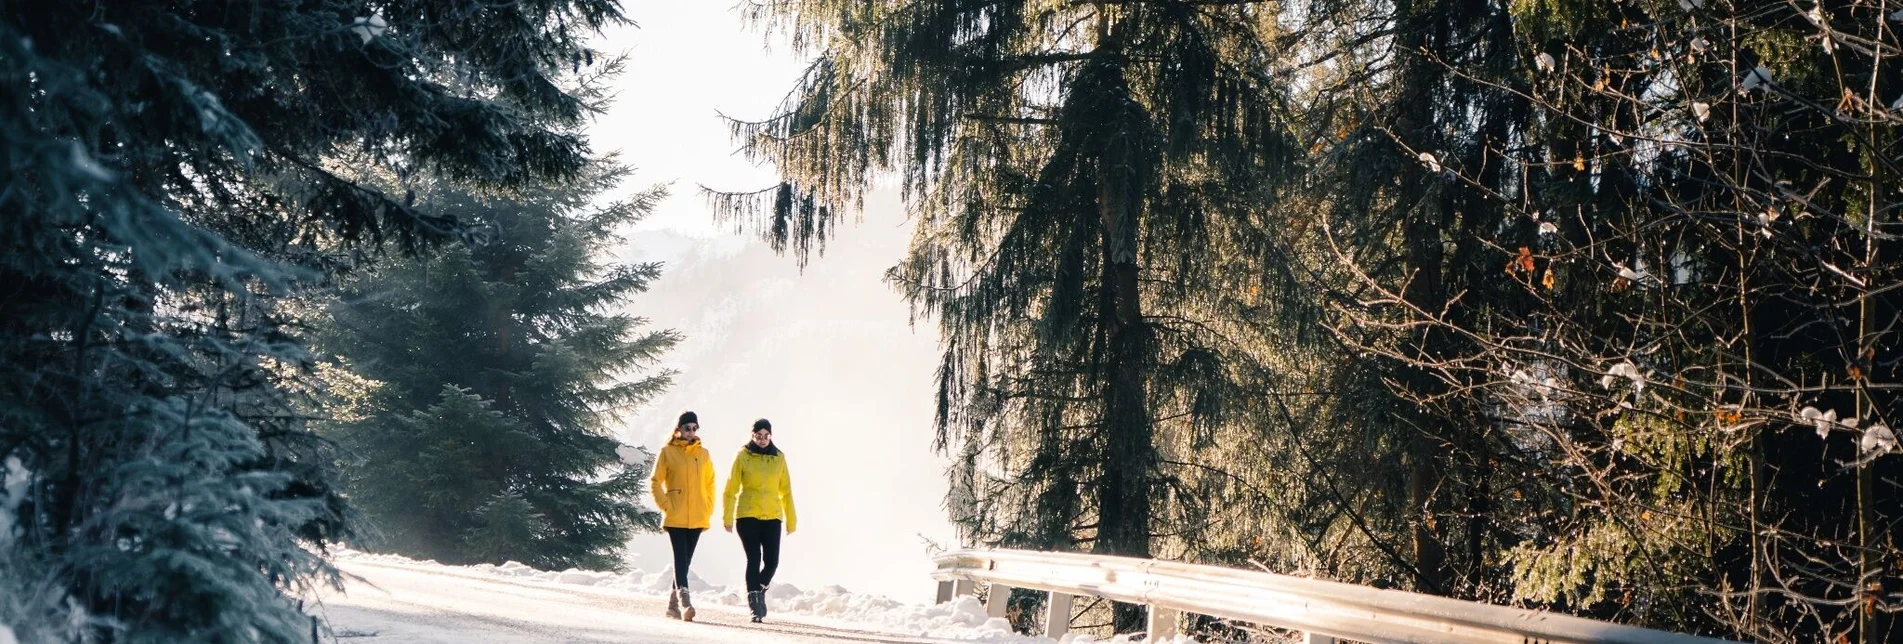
point(13, 480)
point(832, 606)
point(6, 635)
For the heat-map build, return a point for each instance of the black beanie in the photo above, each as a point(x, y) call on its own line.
point(687, 417)
point(762, 424)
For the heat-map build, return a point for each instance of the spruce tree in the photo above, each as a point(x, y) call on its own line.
point(1082, 175)
point(1608, 289)
point(1641, 301)
point(170, 175)
point(1698, 259)
point(1398, 116)
point(485, 378)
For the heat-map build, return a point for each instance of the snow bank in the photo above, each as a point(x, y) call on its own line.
point(963, 619)
point(13, 480)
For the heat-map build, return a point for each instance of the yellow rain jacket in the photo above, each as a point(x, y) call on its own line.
point(761, 487)
point(683, 485)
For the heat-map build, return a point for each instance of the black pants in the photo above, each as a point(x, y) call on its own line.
point(761, 539)
point(683, 540)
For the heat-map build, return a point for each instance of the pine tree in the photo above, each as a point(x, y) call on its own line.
point(1403, 116)
point(1707, 265)
point(1081, 174)
point(487, 374)
point(168, 177)
point(1610, 286)
point(1663, 391)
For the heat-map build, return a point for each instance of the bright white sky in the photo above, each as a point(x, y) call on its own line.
point(827, 354)
point(688, 61)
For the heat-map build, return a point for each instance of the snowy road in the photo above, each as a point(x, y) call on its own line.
point(415, 604)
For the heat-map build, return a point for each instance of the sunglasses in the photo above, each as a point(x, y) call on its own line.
point(690, 427)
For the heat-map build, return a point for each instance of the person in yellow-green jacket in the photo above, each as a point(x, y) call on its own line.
point(763, 491)
point(683, 487)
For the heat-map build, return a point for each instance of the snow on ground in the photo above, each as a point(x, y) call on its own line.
point(403, 601)
point(13, 480)
point(392, 604)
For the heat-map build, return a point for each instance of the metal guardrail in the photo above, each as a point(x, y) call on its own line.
point(1323, 610)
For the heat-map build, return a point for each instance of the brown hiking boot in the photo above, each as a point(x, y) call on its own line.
point(687, 605)
point(673, 604)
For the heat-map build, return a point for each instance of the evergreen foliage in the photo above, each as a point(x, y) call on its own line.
point(1638, 302)
point(482, 379)
point(169, 178)
point(1690, 205)
point(1079, 173)
point(1583, 304)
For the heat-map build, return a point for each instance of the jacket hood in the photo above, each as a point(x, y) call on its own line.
point(683, 442)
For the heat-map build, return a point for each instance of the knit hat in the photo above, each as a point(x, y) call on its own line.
point(762, 424)
point(687, 417)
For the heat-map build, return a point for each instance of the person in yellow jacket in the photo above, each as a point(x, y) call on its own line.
point(683, 487)
point(761, 488)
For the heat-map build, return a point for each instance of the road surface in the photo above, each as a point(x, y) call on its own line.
point(390, 603)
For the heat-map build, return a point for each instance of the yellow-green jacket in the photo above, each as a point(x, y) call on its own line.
point(761, 487)
point(683, 485)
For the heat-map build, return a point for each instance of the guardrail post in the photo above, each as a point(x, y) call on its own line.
point(1162, 623)
point(945, 592)
point(996, 601)
point(1057, 617)
point(1318, 638)
point(963, 588)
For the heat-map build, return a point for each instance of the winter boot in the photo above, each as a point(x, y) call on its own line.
point(674, 604)
point(687, 605)
point(756, 600)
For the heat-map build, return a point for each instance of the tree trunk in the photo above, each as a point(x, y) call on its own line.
point(1421, 239)
point(1130, 458)
point(1424, 291)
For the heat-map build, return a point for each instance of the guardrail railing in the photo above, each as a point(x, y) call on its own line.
point(1324, 611)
